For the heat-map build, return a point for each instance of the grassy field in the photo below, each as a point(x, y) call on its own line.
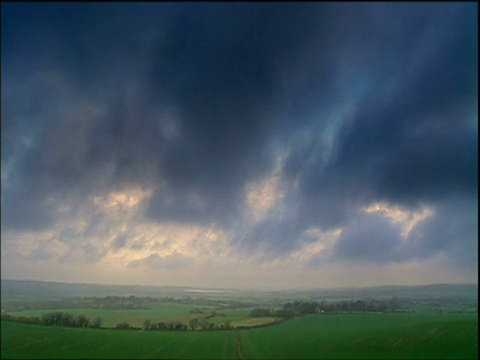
point(347, 336)
point(31, 341)
point(167, 312)
point(159, 312)
point(254, 322)
point(372, 336)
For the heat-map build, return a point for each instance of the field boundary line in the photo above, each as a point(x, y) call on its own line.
point(238, 345)
point(34, 342)
point(248, 346)
point(161, 347)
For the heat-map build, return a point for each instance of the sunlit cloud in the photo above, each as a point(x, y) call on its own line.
point(122, 202)
point(322, 242)
point(406, 218)
point(262, 196)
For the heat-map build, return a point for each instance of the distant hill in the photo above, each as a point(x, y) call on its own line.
point(19, 290)
point(33, 290)
point(467, 291)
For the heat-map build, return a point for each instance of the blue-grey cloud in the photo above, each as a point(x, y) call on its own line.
point(349, 104)
point(369, 238)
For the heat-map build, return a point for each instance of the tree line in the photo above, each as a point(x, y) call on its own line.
point(115, 302)
point(149, 326)
point(193, 324)
point(301, 308)
point(57, 318)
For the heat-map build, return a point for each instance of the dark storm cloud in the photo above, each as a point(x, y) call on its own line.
point(369, 238)
point(453, 230)
point(280, 231)
point(213, 66)
point(219, 68)
point(362, 102)
point(418, 142)
point(412, 138)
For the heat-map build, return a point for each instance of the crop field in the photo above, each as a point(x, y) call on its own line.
point(33, 341)
point(253, 322)
point(368, 336)
point(348, 336)
point(159, 311)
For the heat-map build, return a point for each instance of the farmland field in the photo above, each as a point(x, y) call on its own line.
point(159, 311)
point(362, 336)
point(366, 336)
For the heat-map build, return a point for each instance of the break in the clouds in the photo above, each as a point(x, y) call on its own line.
point(240, 144)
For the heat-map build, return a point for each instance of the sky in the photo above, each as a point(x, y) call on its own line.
point(240, 145)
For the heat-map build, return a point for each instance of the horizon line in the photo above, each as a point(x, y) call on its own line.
point(223, 289)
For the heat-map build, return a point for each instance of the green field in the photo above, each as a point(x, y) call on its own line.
point(369, 336)
point(159, 311)
point(347, 336)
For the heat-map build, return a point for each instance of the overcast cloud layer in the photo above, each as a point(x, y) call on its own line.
point(240, 144)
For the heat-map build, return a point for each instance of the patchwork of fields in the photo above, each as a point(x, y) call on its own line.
point(168, 312)
point(350, 336)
